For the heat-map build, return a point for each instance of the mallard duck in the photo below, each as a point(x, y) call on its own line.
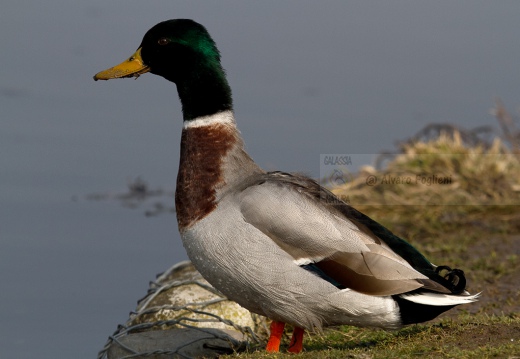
point(278, 243)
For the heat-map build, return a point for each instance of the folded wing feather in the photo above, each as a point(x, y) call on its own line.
point(312, 232)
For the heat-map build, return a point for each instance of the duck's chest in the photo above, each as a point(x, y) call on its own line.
point(201, 171)
point(212, 161)
point(232, 255)
point(221, 245)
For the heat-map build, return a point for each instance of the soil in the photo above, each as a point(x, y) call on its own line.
point(500, 297)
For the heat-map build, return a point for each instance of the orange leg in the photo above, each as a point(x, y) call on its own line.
point(273, 345)
point(296, 344)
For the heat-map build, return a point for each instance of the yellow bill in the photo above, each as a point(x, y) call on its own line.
point(133, 67)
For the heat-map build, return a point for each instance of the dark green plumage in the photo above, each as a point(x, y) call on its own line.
point(182, 51)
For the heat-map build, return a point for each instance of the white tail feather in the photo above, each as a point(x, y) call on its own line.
point(438, 299)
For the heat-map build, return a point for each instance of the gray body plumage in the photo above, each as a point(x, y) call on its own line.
point(250, 268)
point(251, 246)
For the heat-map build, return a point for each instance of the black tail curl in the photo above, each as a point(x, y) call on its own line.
point(453, 279)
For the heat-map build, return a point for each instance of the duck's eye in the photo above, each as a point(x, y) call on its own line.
point(163, 41)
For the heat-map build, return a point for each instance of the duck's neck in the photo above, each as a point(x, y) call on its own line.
point(203, 90)
point(212, 161)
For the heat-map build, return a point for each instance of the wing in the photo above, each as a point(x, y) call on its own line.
point(313, 231)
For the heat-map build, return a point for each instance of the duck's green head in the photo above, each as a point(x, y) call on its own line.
point(183, 52)
point(168, 49)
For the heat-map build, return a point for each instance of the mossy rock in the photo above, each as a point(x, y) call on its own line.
point(182, 315)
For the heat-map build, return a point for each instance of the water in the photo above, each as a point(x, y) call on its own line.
point(308, 79)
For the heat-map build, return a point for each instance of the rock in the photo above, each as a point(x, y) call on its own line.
point(178, 343)
point(183, 316)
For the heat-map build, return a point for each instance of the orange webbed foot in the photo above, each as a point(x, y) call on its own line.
point(273, 345)
point(296, 344)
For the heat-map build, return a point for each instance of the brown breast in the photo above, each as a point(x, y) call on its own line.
point(203, 150)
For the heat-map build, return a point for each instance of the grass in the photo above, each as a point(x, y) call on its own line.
point(468, 336)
